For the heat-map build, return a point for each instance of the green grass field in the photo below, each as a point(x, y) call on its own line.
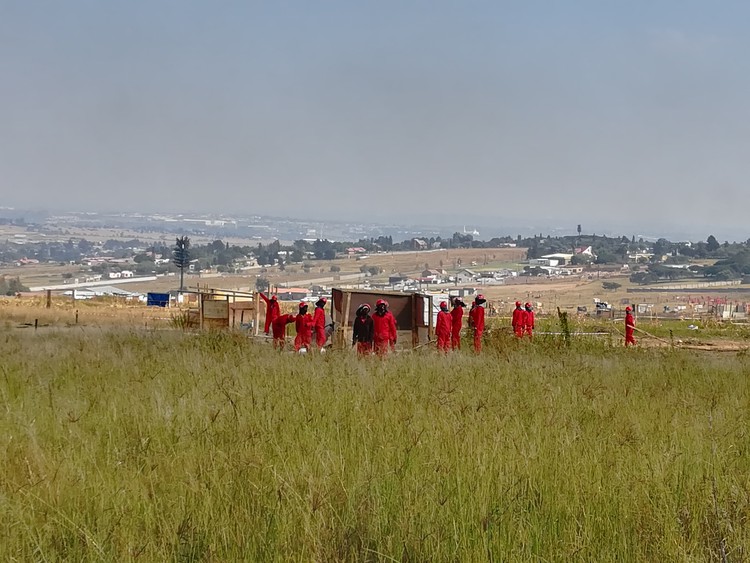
point(166, 446)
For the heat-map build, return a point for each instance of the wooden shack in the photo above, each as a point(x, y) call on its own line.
point(411, 310)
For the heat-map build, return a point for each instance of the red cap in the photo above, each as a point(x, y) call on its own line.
point(628, 309)
point(518, 303)
point(528, 305)
point(302, 304)
point(443, 305)
point(380, 302)
point(273, 297)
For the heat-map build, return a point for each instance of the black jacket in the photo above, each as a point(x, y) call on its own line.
point(363, 330)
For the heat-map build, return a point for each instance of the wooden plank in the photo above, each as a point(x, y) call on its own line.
point(256, 323)
point(345, 321)
point(414, 324)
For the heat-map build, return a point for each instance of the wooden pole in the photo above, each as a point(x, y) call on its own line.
point(256, 322)
point(414, 325)
point(49, 298)
point(430, 324)
point(345, 320)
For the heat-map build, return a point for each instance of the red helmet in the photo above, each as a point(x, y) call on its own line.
point(443, 305)
point(273, 297)
point(528, 305)
point(381, 302)
point(628, 309)
point(321, 302)
point(365, 306)
point(302, 304)
point(518, 303)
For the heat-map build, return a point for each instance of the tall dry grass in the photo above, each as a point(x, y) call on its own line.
point(153, 446)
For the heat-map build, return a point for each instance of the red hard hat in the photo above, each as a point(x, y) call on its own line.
point(628, 309)
point(443, 305)
point(365, 306)
point(380, 302)
point(518, 303)
point(273, 297)
point(302, 304)
point(528, 305)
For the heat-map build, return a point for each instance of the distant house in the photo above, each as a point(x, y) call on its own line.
point(640, 256)
point(561, 257)
point(397, 278)
point(114, 275)
point(543, 262)
point(433, 275)
point(127, 273)
point(585, 250)
point(419, 244)
point(293, 294)
point(465, 276)
point(351, 251)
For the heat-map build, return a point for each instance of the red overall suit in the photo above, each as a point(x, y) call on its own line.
point(529, 324)
point(384, 327)
point(443, 329)
point(457, 315)
point(319, 324)
point(519, 320)
point(303, 323)
point(279, 330)
point(272, 310)
point(629, 327)
point(476, 320)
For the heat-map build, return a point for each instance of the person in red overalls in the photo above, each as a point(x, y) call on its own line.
point(363, 331)
point(319, 322)
point(272, 310)
point(476, 321)
point(629, 327)
point(303, 323)
point(518, 322)
point(457, 315)
point(443, 328)
point(384, 326)
point(279, 330)
point(529, 321)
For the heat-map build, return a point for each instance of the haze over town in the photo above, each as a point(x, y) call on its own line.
point(629, 118)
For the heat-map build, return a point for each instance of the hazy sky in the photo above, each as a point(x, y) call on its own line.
point(630, 110)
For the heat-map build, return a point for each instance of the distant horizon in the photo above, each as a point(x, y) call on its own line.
point(487, 227)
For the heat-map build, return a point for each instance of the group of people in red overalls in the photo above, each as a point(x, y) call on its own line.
point(449, 324)
point(307, 325)
point(522, 320)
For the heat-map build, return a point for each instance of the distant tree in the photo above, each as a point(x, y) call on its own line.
point(335, 268)
point(138, 258)
point(374, 270)
point(712, 245)
point(181, 257)
point(11, 286)
point(262, 283)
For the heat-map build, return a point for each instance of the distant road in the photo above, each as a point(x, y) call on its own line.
point(115, 282)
